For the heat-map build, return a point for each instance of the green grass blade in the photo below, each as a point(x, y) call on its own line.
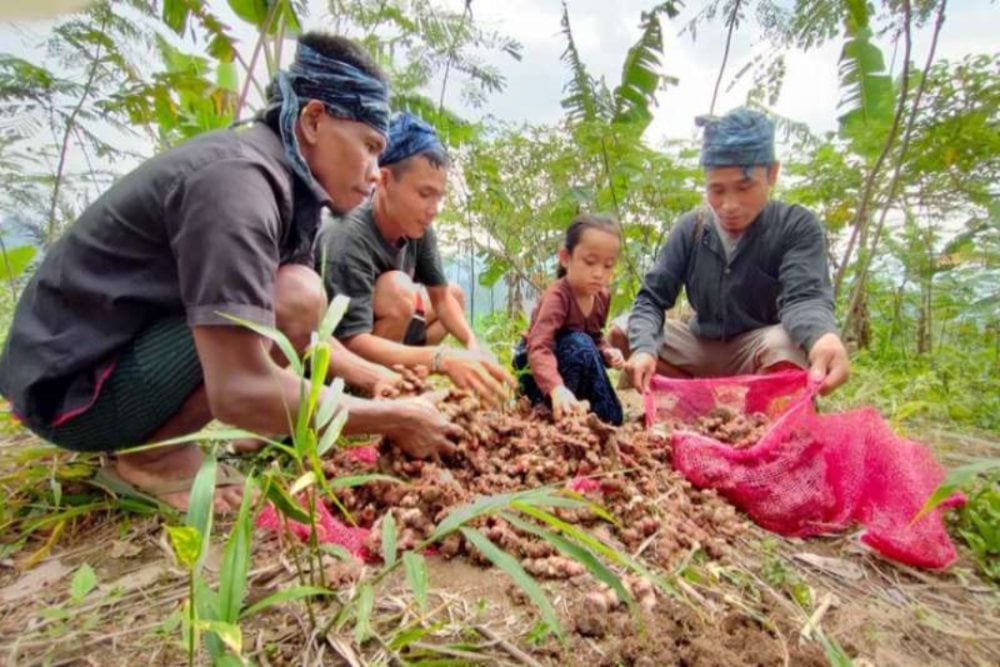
point(596, 508)
point(334, 313)
point(206, 604)
point(592, 543)
point(331, 401)
point(204, 435)
point(281, 597)
point(319, 364)
point(303, 437)
point(389, 540)
point(357, 480)
point(366, 603)
point(230, 634)
point(302, 483)
point(200, 504)
point(412, 634)
point(236, 560)
point(835, 655)
point(493, 504)
point(553, 500)
point(416, 576)
point(578, 553)
point(508, 564)
point(274, 334)
point(332, 432)
point(282, 501)
point(956, 479)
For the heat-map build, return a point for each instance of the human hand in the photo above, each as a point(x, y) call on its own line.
point(414, 378)
point(640, 368)
point(564, 403)
point(387, 385)
point(829, 363)
point(477, 372)
point(421, 430)
point(613, 357)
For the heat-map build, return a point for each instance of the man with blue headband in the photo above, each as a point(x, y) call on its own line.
point(123, 336)
point(755, 273)
point(384, 256)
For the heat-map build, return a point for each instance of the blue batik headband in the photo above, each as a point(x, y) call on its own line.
point(741, 138)
point(346, 91)
point(409, 136)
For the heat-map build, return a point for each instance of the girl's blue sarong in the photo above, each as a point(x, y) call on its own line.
point(582, 369)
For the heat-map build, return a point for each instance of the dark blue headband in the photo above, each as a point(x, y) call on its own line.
point(741, 138)
point(346, 91)
point(408, 136)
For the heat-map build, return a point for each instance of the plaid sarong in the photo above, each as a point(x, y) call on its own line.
point(152, 378)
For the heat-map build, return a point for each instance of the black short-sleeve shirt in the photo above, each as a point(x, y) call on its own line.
point(196, 231)
point(356, 254)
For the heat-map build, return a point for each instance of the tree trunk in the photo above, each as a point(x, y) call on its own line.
point(924, 341)
point(861, 330)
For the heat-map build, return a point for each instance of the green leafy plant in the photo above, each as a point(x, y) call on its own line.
point(65, 617)
point(978, 521)
point(979, 525)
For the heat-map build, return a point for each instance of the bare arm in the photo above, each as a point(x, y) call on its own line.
point(357, 371)
point(248, 390)
point(388, 353)
point(468, 369)
point(449, 311)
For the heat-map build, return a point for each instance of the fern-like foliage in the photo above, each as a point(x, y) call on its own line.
point(581, 100)
point(867, 98)
point(641, 76)
point(453, 129)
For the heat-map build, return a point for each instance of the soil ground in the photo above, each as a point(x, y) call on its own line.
point(776, 601)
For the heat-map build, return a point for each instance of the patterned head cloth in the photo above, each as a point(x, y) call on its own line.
point(345, 90)
point(741, 138)
point(408, 136)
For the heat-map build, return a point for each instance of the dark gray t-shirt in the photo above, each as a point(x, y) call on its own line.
point(198, 230)
point(356, 254)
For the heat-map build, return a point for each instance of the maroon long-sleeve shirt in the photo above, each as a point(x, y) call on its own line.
point(558, 311)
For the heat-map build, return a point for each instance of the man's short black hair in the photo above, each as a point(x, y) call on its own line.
point(435, 156)
point(332, 46)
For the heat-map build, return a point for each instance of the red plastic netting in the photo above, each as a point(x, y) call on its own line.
point(329, 529)
point(809, 473)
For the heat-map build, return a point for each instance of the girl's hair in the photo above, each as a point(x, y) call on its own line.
point(579, 225)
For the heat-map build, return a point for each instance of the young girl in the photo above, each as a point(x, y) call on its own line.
point(564, 349)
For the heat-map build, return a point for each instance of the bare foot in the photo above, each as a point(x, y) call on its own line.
point(155, 467)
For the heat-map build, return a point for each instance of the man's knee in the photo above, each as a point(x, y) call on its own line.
point(394, 297)
point(779, 352)
point(300, 302)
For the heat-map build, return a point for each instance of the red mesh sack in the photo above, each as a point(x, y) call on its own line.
point(809, 473)
point(329, 529)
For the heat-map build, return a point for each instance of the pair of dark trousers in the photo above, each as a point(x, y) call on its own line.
point(582, 370)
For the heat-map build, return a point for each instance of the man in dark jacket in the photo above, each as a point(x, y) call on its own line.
point(121, 337)
point(755, 273)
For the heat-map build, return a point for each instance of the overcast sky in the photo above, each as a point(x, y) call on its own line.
point(605, 30)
